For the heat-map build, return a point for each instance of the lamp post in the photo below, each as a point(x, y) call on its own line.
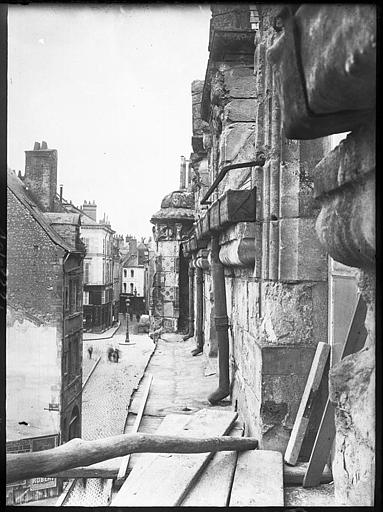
point(127, 339)
point(127, 321)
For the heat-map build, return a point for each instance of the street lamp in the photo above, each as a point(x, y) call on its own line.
point(127, 321)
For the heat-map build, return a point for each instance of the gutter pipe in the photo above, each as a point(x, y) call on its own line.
point(221, 324)
point(199, 313)
point(259, 161)
point(190, 333)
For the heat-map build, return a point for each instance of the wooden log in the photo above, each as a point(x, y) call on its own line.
point(303, 415)
point(125, 460)
point(78, 452)
point(293, 475)
point(171, 424)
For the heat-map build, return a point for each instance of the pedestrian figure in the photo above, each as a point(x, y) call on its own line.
point(116, 355)
point(110, 353)
point(138, 317)
point(90, 351)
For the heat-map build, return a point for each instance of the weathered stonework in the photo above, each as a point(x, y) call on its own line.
point(337, 51)
point(276, 269)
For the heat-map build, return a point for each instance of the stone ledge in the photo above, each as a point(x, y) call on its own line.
point(349, 161)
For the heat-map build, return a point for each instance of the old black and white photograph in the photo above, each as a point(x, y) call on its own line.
point(189, 261)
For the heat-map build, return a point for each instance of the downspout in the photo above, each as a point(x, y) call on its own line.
point(190, 333)
point(199, 312)
point(221, 323)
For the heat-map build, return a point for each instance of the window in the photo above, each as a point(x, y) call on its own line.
point(73, 295)
point(124, 287)
point(86, 272)
point(132, 273)
point(131, 287)
point(66, 297)
point(125, 273)
point(86, 298)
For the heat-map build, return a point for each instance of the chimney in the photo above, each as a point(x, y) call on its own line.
point(61, 193)
point(90, 209)
point(183, 173)
point(190, 173)
point(41, 175)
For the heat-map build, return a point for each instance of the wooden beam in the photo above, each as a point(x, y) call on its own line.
point(303, 415)
point(355, 340)
point(168, 478)
point(78, 452)
point(125, 461)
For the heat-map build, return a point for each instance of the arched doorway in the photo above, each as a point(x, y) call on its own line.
point(74, 424)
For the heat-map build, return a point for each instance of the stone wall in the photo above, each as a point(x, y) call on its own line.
point(334, 91)
point(277, 287)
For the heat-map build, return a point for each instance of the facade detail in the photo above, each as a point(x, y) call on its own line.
point(169, 298)
point(98, 270)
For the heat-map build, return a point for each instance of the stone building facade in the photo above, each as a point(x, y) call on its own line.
point(44, 325)
point(98, 270)
point(169, 298)
point(280, 214)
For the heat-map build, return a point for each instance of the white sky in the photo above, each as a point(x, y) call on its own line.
point(108, 86)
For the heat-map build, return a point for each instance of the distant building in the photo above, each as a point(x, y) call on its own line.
point(44, 319)
point(98, 270)
point(135, 274)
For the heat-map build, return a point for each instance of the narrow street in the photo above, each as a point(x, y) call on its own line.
point(107, 393)
point(106, 397)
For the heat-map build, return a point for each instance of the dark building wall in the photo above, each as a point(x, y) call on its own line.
point(41, 176)
point(39, 284)
point(34, 264)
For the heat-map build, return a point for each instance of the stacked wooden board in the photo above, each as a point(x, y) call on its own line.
point(251, 478)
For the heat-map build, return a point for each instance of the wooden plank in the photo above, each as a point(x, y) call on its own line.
point(355, 340)
point(168, 478)
point(322, 446)
point(303, 415)
point(213, 487)
point(258, 480)
point(136, 425)
point(172, 423)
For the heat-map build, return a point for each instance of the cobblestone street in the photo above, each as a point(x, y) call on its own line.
point(107, 393)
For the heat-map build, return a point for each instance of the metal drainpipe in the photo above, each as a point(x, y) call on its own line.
point(199, 312)
point(221, 324)
point(190, 333)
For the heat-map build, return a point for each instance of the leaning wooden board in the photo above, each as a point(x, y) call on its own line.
point(258, 480)
point(303, 415)
point(355, 340)
point(166, 480)
point(213, 487)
